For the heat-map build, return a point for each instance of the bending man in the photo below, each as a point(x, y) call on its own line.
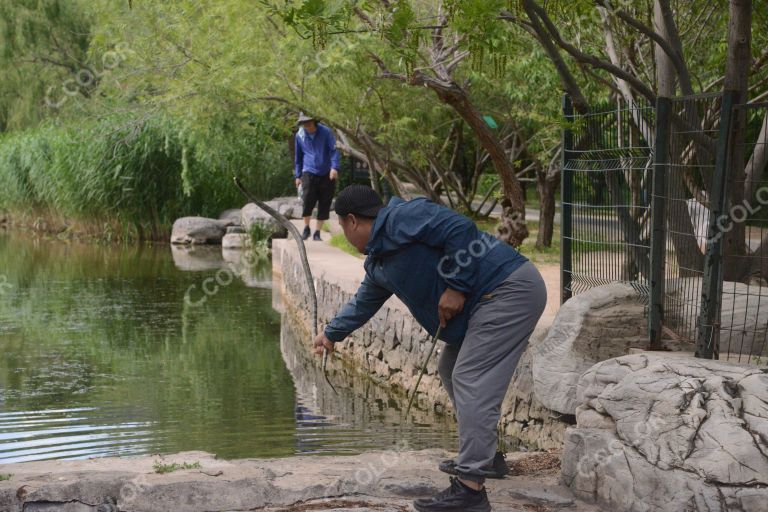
point(486, 296)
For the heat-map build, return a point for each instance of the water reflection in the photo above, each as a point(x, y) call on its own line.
point(363, 415)
point(100, 355)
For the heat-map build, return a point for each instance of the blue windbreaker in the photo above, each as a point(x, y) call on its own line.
point(316, 153)
point(417, 249)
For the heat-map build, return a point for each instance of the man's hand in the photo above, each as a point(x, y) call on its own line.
point(298, 182)
point(451, 303)
point(321, 342)
point(334, 174)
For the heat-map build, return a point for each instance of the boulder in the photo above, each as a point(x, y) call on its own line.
point(601, 323)
point(658, 432)
point(232, 215)
point(289, 206)
point(251, 214)
point(198, 231)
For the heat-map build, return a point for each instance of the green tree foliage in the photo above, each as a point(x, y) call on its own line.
point(43, 43)
point(222, 81)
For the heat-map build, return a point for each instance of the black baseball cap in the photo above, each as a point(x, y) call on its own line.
point(358, 200)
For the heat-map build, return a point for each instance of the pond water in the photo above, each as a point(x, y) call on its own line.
point(101, 355)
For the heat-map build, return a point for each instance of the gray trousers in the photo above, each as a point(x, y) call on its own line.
point(477, 373)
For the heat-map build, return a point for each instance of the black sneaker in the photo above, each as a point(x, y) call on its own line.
point(306, 233)
point(457, 497)
point(497, 470)
point(316, 236)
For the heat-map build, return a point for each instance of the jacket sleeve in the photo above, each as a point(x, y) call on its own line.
point(366, 302)
point(461, 242)
point(332, 149)
point(299, 160)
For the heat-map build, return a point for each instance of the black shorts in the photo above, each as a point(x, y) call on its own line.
point(317, 190)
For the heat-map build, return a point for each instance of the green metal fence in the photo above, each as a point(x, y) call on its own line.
point(605, 198)
point(648, 200)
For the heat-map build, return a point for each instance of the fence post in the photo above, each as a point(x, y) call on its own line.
point(566, 201)
point(659, 221)
point(708, 333)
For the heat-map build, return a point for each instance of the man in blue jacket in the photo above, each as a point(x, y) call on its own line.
point(316, 169)
point(486, 296)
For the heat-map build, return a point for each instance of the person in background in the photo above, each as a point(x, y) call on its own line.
point(316, 170)
point(483, 296)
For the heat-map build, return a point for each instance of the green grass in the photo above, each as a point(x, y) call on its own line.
point(5, 477)
point(340, 242)
point(259, 236)
point(170, 468)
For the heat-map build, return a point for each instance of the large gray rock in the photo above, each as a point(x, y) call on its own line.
point(289, 207)
point(232, 215)
point(661, 433)
point(251, 214)
point(198, 231)
point(604, 322)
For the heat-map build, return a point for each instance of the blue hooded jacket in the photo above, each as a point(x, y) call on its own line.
point(417, 249)
point(316, 153)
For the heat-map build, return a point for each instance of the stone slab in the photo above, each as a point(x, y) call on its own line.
point(377, 481)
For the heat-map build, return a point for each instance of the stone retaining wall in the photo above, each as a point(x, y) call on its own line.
point(392, 346)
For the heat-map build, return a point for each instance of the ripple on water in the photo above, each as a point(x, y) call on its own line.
point(100, 355)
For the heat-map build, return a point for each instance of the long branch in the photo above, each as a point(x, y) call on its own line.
point(674, 55)
point(590, 59)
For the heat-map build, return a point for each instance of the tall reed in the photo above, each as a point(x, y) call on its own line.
point(141, 171)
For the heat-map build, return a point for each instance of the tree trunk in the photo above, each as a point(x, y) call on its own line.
point(512, 228)
point(665, 69)
point(736, 79)
point(690, 260)
point(546, 185)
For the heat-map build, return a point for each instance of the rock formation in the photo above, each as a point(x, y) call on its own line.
point(658, 432)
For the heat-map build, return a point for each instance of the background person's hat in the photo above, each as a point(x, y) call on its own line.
point(358, 200)
point(303, 118)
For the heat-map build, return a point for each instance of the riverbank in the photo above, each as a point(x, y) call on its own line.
point(47, 224)
point(382, 481)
